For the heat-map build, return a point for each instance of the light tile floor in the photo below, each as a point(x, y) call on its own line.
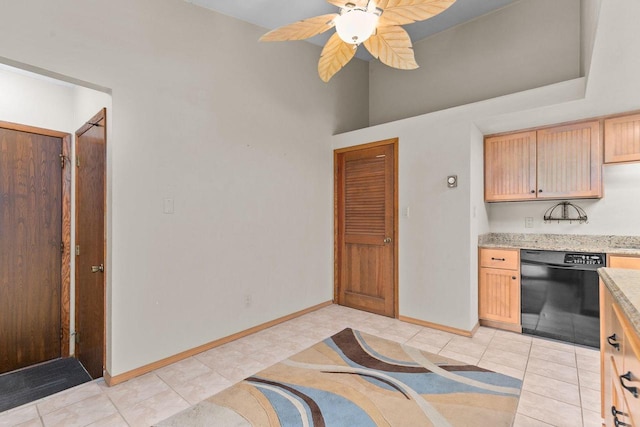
point(561, 382)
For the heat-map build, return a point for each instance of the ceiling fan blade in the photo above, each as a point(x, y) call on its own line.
point(302, 29)
point(392, 46)
point(401, 12)
point(342, 3)
point(335, 55)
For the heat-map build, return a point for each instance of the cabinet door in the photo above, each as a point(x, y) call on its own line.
point(499, 295)
point(569, 161)
point(631, 368)
point(622, 139)
point(510, 167)
point(630, 262)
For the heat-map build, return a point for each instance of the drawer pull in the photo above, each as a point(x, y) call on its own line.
point(497, 259)
point(613, 344)
point(615, 412)
point(632, 390)
point(618, 423)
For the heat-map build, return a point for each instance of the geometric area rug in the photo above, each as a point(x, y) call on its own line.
point(356, 379)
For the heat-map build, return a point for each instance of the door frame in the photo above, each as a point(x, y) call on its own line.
point(100, 115)
point(337, 242)
point(65, 268)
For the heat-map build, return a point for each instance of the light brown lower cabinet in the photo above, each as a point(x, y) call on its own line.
point(623, 261)
point(620, 364)
point(499, 289)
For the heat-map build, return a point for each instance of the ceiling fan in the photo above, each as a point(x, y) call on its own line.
point(376, 24)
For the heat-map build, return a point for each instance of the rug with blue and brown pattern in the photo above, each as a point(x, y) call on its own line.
point(356, 379)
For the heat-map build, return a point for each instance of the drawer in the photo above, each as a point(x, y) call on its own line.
point(507, 259)
point(632, 370)
point(630, 262)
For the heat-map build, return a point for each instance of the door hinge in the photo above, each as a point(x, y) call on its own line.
point(77, 334)
point(77, 161)
point(61, 334)
point(77, 250)
point(61, 247)
point(63, 160)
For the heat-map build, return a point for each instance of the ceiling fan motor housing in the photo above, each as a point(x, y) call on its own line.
point(355, 25)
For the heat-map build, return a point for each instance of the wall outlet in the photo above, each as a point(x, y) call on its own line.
point(528, 222)
point(248, 300)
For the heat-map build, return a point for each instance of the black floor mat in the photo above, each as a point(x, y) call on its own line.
point(35, 382)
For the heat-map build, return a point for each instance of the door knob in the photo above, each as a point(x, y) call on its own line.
point(96, 268)
point(387, 240)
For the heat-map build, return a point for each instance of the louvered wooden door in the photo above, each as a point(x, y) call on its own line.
point(510, 167)
point(366, 225)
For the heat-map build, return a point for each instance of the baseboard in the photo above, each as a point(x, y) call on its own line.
point(113, 380)
point(501, 325)
point(444, 328)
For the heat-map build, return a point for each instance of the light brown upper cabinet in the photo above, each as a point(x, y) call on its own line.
point(558, 162)
point(510, 167)
point(622, 139)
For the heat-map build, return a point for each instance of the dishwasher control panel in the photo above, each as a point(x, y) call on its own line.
point(590, 259)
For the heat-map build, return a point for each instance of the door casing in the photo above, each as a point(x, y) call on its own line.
point(337, 244)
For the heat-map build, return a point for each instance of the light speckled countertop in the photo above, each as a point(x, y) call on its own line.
point(625, 287)
point(624, 245)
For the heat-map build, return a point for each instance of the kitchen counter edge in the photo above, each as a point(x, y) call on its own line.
point(624, 285)
point(615, 245)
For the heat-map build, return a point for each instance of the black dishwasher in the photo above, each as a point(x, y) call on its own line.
point(559, 297)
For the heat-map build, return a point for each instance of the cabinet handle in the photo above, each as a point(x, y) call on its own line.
point(615, 412)
point(632, 390)
point(497, 259)
point(618, 423)
point(533, 191)
point(513, 277)
point(613, 344)
point(540, 190)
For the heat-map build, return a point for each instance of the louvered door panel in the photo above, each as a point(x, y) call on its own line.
point(622, 139)
point(510, 167)
point(365, 198)
point(499, 295)
point(569, 161)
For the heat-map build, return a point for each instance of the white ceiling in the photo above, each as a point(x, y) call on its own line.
point(271, 14)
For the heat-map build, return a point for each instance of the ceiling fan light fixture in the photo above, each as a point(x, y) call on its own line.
point(356, 25)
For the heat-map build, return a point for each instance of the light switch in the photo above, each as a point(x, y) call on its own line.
point(407, 212)
point(167, 206)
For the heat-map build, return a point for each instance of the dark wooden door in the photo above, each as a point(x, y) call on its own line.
point(366, 227)
point(30, 248)
point(90, 244)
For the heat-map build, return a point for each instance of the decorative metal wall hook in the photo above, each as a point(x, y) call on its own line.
point(566, 211)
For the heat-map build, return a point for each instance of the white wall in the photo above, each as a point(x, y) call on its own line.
point(236, 132)
point(589, 14)
point(438, 243)
point(525, 45)
point(616, 213)
point(39, 101)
